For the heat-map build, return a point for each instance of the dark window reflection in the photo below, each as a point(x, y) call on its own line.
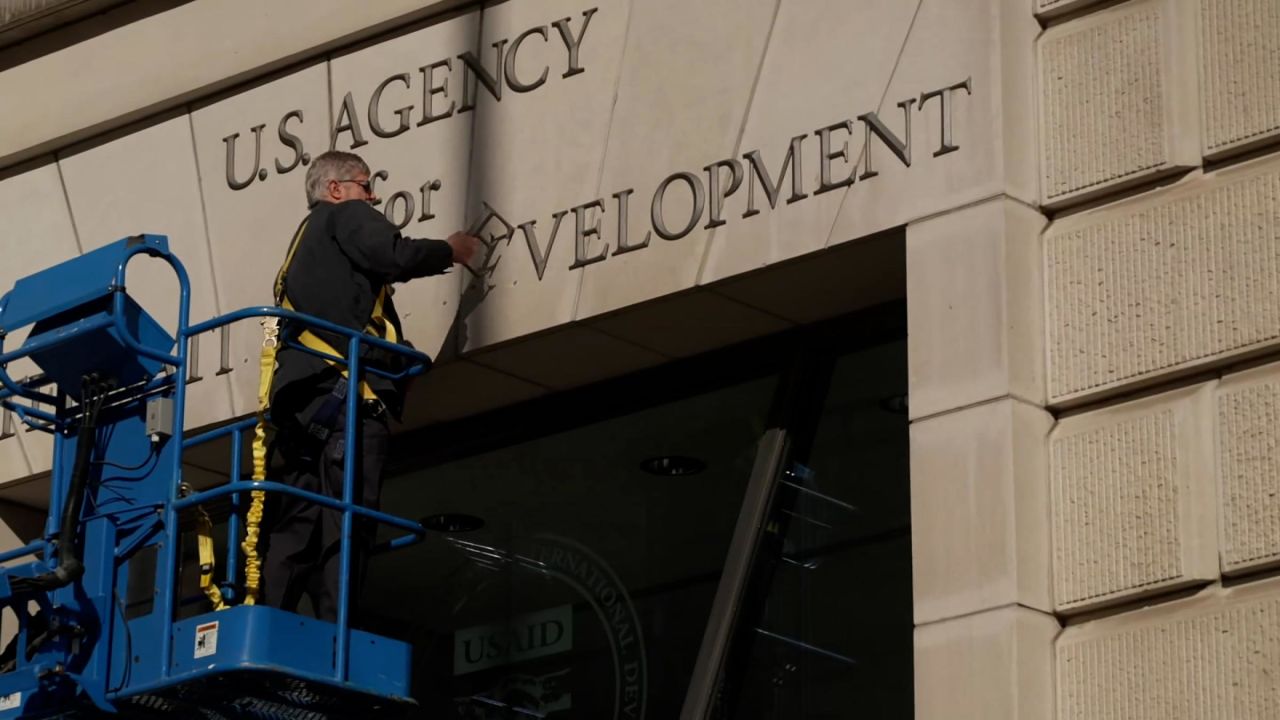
point(586, 592)
point(826, 630)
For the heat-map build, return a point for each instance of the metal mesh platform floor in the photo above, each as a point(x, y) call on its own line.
point(252, 696)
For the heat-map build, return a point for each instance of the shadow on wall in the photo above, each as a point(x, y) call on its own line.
point(479, 284)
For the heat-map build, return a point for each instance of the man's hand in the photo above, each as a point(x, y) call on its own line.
point(464, 247)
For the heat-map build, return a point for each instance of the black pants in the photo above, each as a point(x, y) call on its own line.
point(303, 551)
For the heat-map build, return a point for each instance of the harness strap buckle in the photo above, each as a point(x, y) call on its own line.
point(270, 331)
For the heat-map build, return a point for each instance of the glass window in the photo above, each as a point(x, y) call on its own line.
point(825, 629)
point(587, 590)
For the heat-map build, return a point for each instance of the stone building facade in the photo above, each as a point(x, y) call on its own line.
point(1078, 200)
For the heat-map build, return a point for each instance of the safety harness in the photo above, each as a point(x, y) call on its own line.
point(378, 326)
point(204, 543)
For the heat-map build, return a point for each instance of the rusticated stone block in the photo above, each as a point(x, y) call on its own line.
point(1249, 469)
point(1117, 101)
point(1212, 657)
point(1046, 9)
point(1240, 67)
point(1132, 500)
point(1168, 282)
point(14, 11)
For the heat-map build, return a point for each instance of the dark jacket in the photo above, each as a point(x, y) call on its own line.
point(347, 253)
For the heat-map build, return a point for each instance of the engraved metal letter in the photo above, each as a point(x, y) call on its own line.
point(901, 148)
point(572, 44)
point(624, 200)
point(430, 90)
point(770, 189)
point(582, 235)
point(471, 66)
point(512, 81)
point(426, 189)
point(715, 193)
point(944, 100)
point(230, 142)
point(825, 156)
point(531, 239)
point(409, 208)
point(291, 141)
point(224, 360)
point(193, 360)
point(351, 124)
point(699, 202)
point(373, 186)
point(375, 122)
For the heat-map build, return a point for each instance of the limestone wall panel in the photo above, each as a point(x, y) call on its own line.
point(990, 61)
point(686, 324)
point(1117, 94)
point(673, 113)
point(1206, 658)
point(1239, 57)
point(1133, 500)
point(38, 232)
point(1248, 463)
point(979, 497)
point(37, 445)
point(250, 227)
point(188, 49)
point(13, 461)
point(973, 288)
point(539, 154)
point(803, 85)
point(995, 665)
point(1169, 282)
point(541, 359)
point(146, 181)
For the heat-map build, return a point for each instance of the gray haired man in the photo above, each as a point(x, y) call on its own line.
point(340, 267)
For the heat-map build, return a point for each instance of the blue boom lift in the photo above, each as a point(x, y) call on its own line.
point(96, 597)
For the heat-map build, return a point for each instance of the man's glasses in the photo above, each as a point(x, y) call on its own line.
point(364, 185)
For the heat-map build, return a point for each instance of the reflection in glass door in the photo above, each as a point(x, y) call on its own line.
point(825, 627)
point(585, 592)
point(725, 537)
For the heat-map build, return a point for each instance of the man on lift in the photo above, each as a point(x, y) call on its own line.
point(340, 266)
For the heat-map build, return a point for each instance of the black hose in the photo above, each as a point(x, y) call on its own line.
point(70, 568)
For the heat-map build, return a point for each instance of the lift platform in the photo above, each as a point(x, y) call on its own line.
point(96, 596)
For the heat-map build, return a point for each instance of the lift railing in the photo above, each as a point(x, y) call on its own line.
point(414, 532)
point(176, 382)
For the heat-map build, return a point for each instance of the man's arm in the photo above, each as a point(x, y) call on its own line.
point(374, 244)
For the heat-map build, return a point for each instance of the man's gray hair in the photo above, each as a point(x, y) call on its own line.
point(332, 165)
